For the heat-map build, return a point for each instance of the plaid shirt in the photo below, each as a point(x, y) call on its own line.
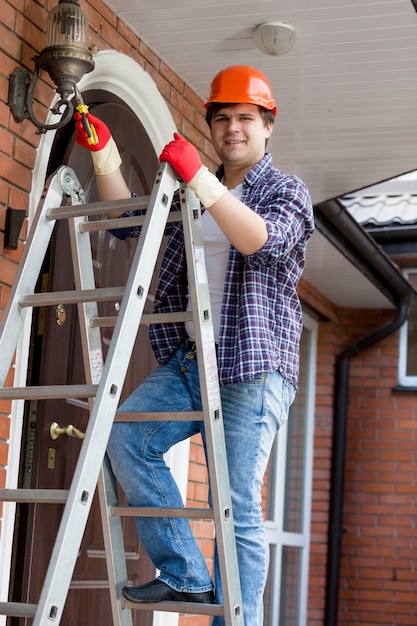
point(261, 320)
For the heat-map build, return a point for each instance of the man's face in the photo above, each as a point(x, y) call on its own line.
point(238, 133)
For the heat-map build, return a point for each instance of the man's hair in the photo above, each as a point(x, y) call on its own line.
point(267, 116)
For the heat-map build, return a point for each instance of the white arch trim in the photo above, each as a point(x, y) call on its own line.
point(120, 75)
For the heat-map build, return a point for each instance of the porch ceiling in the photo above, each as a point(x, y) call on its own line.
point(346, 92)
point(340, 281)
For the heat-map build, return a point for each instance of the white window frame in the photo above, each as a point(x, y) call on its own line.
point(403, 379)
point(277, 537)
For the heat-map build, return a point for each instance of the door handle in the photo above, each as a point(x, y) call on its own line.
point(55, 430)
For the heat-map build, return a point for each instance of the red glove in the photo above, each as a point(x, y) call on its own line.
point(183, 157)
point(103, 133)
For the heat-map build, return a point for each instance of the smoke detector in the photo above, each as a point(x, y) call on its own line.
point(275, 38)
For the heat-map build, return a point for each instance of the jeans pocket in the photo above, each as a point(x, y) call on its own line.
point(258, 379)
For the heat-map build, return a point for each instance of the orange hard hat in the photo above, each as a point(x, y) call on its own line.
point(242, 84)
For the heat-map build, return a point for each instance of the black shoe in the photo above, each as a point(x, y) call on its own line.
point(158, 591)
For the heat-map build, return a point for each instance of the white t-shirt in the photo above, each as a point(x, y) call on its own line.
point(216, 248)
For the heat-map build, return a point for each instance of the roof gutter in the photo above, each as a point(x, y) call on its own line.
point(393, 233)
point(360, 248)
point(333, 220)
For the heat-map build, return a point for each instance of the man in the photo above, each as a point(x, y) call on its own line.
point(256, 226)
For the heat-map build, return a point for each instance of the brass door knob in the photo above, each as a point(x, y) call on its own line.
point(55, 430)
point(60, 315)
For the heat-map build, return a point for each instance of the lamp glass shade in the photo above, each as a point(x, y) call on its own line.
point(67, 26)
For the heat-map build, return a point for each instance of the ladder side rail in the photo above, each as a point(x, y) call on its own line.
point(82, 260)
point(211, 403)
point(74, 519)
point(40, 233)
point(93, 366)
point(93, 358)
point(92, 350)
point(113, 544)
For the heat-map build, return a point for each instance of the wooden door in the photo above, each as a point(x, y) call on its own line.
point(56, 358)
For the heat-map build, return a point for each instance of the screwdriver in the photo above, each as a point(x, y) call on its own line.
point(82, 108)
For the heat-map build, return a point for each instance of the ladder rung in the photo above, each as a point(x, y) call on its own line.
point(103, 322)
point(121, 222)
point(151, 511)
point(112, 224)
point(193, 608)
point(48, 392)
point(97, 208)
point(70, 297)
point(146, 319)
point(17, 609)
point(160, 416)
point(44, 496)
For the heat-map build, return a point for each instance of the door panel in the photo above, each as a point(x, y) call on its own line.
point(56, 358)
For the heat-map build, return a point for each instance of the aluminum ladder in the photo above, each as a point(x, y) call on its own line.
point(104, 384)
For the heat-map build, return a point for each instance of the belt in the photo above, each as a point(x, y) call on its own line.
point(192, 345)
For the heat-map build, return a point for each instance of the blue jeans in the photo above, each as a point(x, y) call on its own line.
point(252, 414)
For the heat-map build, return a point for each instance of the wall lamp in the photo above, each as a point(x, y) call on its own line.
point(66, 58)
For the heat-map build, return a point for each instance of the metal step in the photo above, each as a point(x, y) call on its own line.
point(48, 392)
point(147, 318)
point(142, 511)
point(51, 298)
point(44, 496)
point(193, 608)
point(18, 609)
point(157, 416)
point(96, 208)
point(121, 222)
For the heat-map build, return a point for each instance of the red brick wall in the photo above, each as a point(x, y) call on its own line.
point(378, 558)
point(17, 154)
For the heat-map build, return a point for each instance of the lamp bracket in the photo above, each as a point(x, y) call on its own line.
point(66, 58)
point(20, 100)
point(18, 88)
